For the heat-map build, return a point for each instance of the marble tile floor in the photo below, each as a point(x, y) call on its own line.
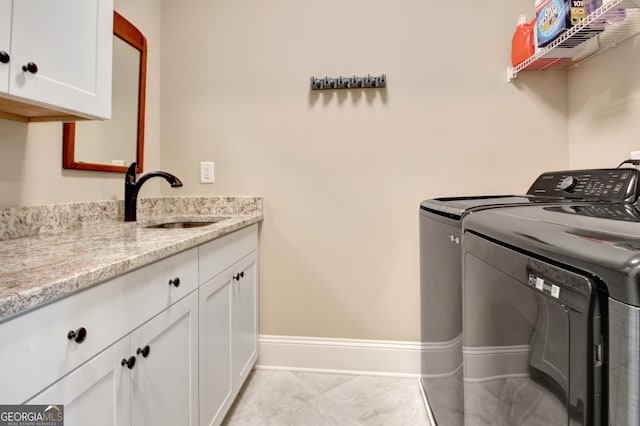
point(293, 398)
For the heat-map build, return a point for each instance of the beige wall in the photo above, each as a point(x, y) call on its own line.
point(342, 173)
point(604, 107)
point(31, 154)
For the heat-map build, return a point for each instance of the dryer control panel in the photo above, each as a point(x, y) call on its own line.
point(615, 185)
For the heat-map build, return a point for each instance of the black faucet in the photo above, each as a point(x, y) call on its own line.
point(132, 187)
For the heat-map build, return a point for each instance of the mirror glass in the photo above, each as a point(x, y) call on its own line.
point(112, 145)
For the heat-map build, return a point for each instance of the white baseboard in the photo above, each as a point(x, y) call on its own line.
point(347, 356)
point(486, 364)
point(442, 359)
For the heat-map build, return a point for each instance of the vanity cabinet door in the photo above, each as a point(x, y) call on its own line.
point(215, 349)
point(61, 54)
point(219, 254)
point(228, 337)
point(5, 40)
point(96, 393)
point(244, 319)
point(164, 382)
point(40, 341)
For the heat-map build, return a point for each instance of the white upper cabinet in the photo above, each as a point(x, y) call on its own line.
point(5, 40)
point(60, 56)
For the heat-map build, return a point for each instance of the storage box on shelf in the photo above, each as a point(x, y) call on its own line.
point(607, 26)
point(553, 17)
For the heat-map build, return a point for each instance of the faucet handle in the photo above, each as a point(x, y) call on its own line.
point(130, 176)
point(131, 171)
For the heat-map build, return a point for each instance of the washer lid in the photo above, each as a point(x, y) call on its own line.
point(600, 239)
point(567, 186)
point(456, 207)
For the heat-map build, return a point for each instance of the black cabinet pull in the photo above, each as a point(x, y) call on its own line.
point(4, 57)
point(238, 276)
point(128, 362)
point(144, 351)
point(241, 274)
point(30, 67)
point(78, 335)
point(175, 282)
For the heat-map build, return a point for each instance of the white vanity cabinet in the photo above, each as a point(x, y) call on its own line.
point(167, 344)
point(159, 387)
point(60, 58)
point(51, 341)
point(164, 380)
point(5, 40)
point(215, 350)
point(97, 393)
point(244, 320)
point(228, 313)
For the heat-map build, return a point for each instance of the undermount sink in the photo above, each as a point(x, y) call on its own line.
point(179, 224)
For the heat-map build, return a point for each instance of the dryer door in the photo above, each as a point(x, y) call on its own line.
point(529, 351)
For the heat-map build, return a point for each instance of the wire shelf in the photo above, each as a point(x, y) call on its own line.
point(607, 26)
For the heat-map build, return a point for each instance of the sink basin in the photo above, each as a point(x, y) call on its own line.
point(179, 224)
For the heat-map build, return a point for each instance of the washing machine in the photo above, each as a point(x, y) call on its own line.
point(441, 298)
point(551, 315)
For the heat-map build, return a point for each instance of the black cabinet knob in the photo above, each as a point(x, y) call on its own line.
point(4, 57)
point(175, 282)
point(30, 67)
point(144, 351)
point(238, 276)
point(241, 274)
point(78, 335)
point(128, 362)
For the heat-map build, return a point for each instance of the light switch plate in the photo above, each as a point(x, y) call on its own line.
point(207, 172)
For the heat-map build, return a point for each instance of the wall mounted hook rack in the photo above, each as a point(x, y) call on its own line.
point(330, 83)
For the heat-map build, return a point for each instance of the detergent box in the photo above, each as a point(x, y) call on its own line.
point(553, 17)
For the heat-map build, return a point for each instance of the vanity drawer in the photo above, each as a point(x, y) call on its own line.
point(36, 350)
point(217, 255)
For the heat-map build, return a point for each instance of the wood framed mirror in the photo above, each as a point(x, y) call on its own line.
point(110, 146)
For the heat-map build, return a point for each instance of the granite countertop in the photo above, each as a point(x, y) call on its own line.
point(50, 265)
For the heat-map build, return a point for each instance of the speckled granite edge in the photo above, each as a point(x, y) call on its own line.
point(99, 257)
point(51, 251)
point(20, 222)
point(172, 206)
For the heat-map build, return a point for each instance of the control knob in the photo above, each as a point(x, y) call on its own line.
point(569, 183)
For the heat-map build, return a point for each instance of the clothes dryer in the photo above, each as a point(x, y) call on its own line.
point(441, 222)
point(551, 298)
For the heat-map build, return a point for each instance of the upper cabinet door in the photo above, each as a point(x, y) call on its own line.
point(5, 40)
point(61, 54)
